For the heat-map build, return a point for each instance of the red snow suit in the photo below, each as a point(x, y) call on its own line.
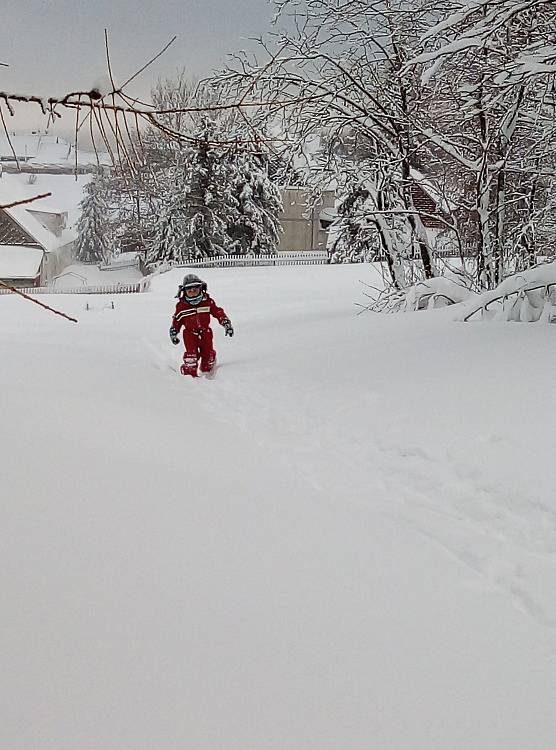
point(197, 333)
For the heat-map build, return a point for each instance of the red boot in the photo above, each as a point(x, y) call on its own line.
point(208, 366)
point(189, 366)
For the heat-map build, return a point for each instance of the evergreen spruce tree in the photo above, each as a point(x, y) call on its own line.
point(192, 219)
point(170, 230)
point(218, 200)
point(209, 207)
point(93, 237)
point(254, 223)
point(207, 195)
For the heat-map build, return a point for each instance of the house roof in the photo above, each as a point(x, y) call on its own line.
point(66, 195)
point(66, 191)
point(432, 189)
point(20, 262)
point(31, 226)
point(40, 149)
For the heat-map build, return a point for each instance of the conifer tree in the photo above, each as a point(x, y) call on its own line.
point(93, 238)
point(207, 176)
point(170, 229)
point(255, 225)
point(218, 200)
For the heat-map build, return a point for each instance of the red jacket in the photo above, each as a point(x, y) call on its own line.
point(197, 317)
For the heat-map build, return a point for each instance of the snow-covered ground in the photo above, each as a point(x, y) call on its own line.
point(82, 274)
point(347, 539)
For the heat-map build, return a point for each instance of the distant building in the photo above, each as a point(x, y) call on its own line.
point(305, 223)
point(37, 238)
point(435, 212)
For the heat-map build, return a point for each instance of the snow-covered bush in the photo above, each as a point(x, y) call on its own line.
point(524, 297)
point(427, 294)
point(433, 293)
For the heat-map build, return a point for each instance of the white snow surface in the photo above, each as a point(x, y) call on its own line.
point(88, 274)
point(346, 539)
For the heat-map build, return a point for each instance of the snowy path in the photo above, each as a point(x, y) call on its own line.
point(346, 539)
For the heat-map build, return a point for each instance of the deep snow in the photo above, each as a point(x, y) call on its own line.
point(345, 540)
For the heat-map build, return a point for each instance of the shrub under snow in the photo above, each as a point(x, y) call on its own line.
point(528, 297)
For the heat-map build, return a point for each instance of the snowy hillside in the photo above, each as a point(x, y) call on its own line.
point(345, 540)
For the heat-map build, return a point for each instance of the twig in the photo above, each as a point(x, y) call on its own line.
point(8, 137)
point(36, 301)
point(102, 131)
point(162, 51)
point(109, 64)
point(75, 100)
point(76, 139)
point(25, 200)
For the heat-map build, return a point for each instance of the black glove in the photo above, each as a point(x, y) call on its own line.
point(174, 336)
point(228, 330)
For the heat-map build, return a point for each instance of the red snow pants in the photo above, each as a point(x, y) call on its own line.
point(198, 345)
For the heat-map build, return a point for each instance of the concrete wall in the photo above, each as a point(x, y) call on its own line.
point(302, 224)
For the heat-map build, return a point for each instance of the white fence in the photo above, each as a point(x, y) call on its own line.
point(241, 261)
point(139, 286)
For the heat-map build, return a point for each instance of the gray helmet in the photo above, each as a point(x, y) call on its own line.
point(191, 281)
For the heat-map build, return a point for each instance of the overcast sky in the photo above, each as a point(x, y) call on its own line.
point(55, 46)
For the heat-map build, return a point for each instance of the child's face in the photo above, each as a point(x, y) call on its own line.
point(193, 291)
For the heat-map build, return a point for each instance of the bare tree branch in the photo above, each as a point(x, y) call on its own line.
point(36, 302)
point(25, 201)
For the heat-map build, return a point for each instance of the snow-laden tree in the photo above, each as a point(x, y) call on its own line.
point(168, 241)
point(372, 224)
point(218, 198)
point(491, 74)
point(254, 224)
point(461, 91)
point(339, 77)
point(353, 236)
point(200, 184)
point(94, 235)
point(196, 202)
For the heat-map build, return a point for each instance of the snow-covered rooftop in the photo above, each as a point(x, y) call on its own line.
point(66, 195)
point(38, 149)
point(19, 262)
point(66, 189)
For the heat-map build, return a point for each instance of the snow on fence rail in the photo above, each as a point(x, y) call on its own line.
point(241, 261)
point(135, 288)
point(119, 264)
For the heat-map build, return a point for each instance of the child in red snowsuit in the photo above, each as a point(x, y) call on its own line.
point(193, 313)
